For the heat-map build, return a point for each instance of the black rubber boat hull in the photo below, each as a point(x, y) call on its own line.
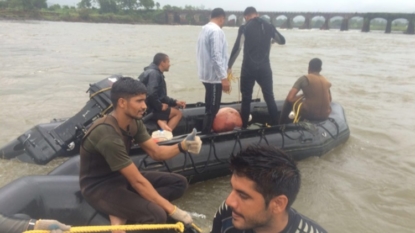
point(52, 197)
point(300, 141)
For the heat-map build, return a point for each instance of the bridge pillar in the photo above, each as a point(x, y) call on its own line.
point(388, 26)
point(274, 20)
point(411, 27)
point(326, 24)
point(287, 24)
point(239, 20)
point(366, 25)
point(345, 25)
point(306, 24)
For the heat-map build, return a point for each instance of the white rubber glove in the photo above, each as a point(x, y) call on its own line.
point(192, 143)
point(51, 225)
point(182, 216)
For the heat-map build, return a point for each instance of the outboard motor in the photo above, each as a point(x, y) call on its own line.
point(42, 143)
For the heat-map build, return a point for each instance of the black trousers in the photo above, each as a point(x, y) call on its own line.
point(263, 76)
point(213, 95)
point(118, 198)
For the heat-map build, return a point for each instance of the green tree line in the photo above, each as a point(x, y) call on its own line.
point(118, 11)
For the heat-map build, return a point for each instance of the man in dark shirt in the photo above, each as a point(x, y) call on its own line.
point(157, 100)
point(265, 183)
point(256, 37)
point(111, 182)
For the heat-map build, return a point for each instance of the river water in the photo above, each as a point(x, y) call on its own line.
point(366, 185)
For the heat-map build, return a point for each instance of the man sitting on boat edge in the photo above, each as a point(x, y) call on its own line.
point(15, 225)
point(314, 103)
point(157, 100)
point(265, 183)
point(109, 180)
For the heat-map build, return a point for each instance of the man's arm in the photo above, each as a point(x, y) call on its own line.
point(216, 41)
point(158, 152)
point(298, 85)
point(145, 188)
point(292, 95)
point(277, 37)
point(153, 86)
point(237, 47)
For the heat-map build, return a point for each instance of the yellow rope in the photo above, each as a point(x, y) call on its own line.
point(100, 91)
point(297, 111)
point(179, 227)
point(232, 78)
point(105, 110)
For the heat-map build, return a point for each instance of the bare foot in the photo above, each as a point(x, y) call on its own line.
point(163, 125)
point(115, 221)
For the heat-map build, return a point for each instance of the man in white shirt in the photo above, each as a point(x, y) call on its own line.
point(212, 62)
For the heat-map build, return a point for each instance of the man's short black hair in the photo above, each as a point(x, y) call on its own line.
point(126, 87)
point(315, 65)
point(250, 10)
point(159, 57)
point(274, 172)
point(217, 12)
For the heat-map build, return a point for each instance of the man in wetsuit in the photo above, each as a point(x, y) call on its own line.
point(212, 59)
point(316, 97)
point(265, 183)
point(256, 37)
point(16, 225)
point(157, 100)
point(111, 182)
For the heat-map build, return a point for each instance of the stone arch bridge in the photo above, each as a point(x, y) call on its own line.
point(202, 17)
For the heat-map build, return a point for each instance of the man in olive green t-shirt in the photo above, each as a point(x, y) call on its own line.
point(315, 99)
point(111, 182)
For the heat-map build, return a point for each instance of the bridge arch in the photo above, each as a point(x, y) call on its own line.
point(356, 22)
point(232, 20)
point(298, 21)
point(281, 21)
point(399, 24)
point(266, 18)
point(335, 22)
point(378, 24)
point(317, 21)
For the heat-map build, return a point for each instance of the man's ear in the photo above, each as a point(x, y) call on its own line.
point(278, 204)
point(122, 103)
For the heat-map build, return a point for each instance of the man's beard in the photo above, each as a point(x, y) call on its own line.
point(135, 117)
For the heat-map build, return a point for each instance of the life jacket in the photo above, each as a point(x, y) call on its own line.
point(95, 169)
point(316, 103)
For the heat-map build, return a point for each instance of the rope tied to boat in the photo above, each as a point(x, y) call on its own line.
point(178, 227)
point(103, 112)
point(296, 109)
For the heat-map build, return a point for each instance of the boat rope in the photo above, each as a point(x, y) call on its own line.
point(99, 92)
point(178, 227)
point(232, 78)
point(296, 109)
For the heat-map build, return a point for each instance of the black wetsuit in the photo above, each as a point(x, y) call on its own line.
point(156, 86)
point(255, 36)
point(297, 223)
point(12, 225)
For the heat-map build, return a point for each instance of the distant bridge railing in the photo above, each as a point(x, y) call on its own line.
point(201, 17)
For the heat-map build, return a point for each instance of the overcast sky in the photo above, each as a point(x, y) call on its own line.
point(407, 6)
